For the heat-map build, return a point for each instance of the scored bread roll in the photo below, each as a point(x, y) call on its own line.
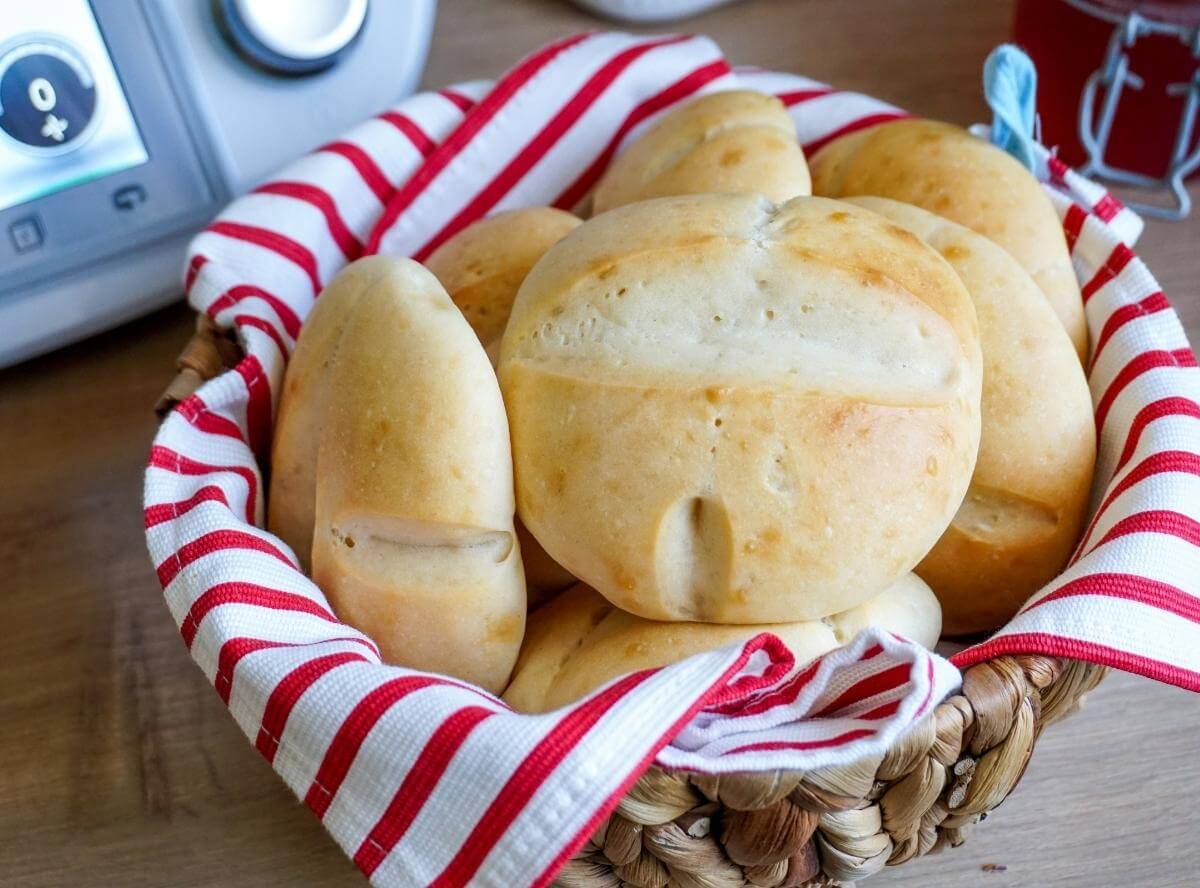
point(1026, 504)
point(414, 541)
point(729, 142)
point(731, 412)
point(482, 268)
point(483, 265)
point(293, 491)
point(579, 641)
point(948, 171)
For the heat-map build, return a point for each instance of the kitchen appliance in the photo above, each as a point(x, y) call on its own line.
point(126, 124)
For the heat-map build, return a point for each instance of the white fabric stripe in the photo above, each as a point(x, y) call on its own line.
point(235, 566)
point(1177, 491)
point(559, 167)
point(819, 117)
point(1159, 330)
point(295, 219)
point(264, 268)
point(1130, 626)
point(258, 674)
point(356, 203)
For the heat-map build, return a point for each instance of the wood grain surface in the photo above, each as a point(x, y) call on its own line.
point(120, 765)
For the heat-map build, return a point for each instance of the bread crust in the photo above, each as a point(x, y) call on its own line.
point(1028, 497)
point(726, 142)
point(944, 169)
point(579, 641)
point(729, 412)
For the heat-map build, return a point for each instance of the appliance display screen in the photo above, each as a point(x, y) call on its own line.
point(64, 119)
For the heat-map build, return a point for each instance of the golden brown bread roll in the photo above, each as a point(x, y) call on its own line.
point(483, 265)
point(414, 541)
point(725, 142)
point(727, 411)
point(947, 171)
point(579, 641)
point(1025, 508)
point(293, 491)
point(482, 268)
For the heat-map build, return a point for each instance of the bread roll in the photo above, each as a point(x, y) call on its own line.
point(483, 265)
point(726, 411)
point(947, 171)
point(482, 268)
point(1025, 508)
point(579, 641)
point(726, 142)
point(293, 489)
point(414, 541)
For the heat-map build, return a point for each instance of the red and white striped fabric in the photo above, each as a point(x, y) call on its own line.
point(424, 780)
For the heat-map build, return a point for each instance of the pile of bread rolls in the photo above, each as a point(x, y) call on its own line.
point(720, 405)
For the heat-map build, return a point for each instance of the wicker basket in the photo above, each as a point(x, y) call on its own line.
point(829, 826)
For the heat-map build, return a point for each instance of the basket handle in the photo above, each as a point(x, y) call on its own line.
point(209, 352)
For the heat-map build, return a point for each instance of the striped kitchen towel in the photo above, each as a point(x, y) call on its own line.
point(425, 780)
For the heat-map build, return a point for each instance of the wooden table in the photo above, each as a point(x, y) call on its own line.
point(121, 766)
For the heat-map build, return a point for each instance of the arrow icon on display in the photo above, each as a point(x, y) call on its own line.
point(54, 128)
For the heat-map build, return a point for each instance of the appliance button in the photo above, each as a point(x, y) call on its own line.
point(47, 96)
point(129, 197)
point(288, 38)
point(26, 234)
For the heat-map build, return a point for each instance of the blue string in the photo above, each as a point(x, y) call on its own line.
point(1010, 88)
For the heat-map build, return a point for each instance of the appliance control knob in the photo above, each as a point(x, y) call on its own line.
point(292, 38)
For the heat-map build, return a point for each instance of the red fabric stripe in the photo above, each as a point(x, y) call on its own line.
point(417, 786)
point(367, 168)
point(799, 96)
point(215, 541)
point(319, 198)
point(1173, 406)
point(782, 696)
point(197, 413)
point(242, 292)
point(165, 458)
point(545, 140)
point(717, 689)
point(1152, 304)
point(780, 745)
point(160, 512)
point(1128, 587)
point(1060, 646)
point(682, 88)
point(247, 320)
point(531, 773)
point(258, 406)
point(353, 732)
point(230, 655)
point(881, 711)
point(1143, 363)
point(463, 103)
point(871, 686)
point(411, 131)
point(1107, 207)
point(853, 126)
point(196, 263)
point(1155, 464)
point(1073, 224)
point(291, 250)
point(252, 594)
point(287, 693)
point(1113, 266)
point(1165, 521)
point(465, 133)
point(1057, 169)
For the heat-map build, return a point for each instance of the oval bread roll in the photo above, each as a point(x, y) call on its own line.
point(948, 171)
point(1026, 505)
point(293, 491)
point(579, 641)
point(483, 265)
point(482, 268)
point(726, 142)
point(414, 541)
point(731, 412)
